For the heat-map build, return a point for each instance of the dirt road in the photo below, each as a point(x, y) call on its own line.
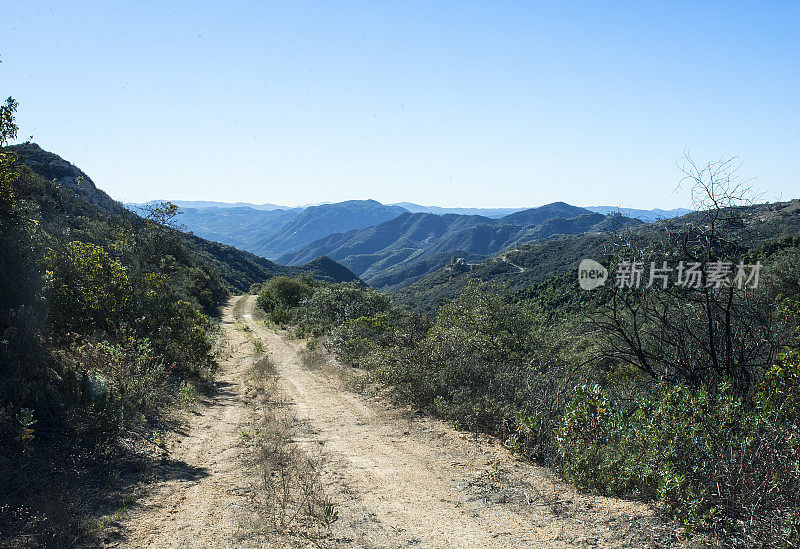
point(397, 479)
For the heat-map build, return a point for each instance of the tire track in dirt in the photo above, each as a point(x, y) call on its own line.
point(397, 479)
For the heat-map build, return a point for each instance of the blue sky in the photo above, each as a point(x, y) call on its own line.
point(451, 103)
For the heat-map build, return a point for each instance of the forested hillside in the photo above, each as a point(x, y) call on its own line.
point(524, 265)
point(684, 393)
point(238, 270)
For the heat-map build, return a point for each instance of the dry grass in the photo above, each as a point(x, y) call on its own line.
point(292, 499)
point(314, 356)
point(239, 307)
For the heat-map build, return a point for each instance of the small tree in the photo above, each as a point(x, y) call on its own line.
point(164, 214)
point(693, 333)
point(8, 160)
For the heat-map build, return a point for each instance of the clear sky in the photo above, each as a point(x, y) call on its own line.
point(450, 103)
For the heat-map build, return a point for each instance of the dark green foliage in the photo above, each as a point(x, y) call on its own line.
point(719, 463)
point(177, 329)
point(488, 364)
point(22, 307)
point(120, 385)
point(104, 273)
point(280, 294)
point(319, 307)
point(67, 200)
point(540, 262)
point(100, 330)
point(334, 304)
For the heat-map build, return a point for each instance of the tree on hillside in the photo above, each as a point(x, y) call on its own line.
point(710, 327)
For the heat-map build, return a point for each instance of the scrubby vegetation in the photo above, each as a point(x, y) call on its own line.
point(104, 325)
point(685, 396)
point(688, 396)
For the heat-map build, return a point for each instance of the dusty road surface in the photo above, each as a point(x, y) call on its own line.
point(396, 479)
point(204, 501)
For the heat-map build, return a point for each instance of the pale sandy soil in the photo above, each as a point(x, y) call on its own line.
point(397, 479)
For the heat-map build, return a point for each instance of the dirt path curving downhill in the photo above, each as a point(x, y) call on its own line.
point(396, 479)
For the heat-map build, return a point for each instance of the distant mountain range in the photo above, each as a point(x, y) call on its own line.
point(527, 264)
point(648, 216)
point(242, 227)
point(493, 213)
point(424, 257)
point(396, 252)
point(390, 246)
point(320, 221)
point(205, 204)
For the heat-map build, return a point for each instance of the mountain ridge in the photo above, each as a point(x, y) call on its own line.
point(319, 221)
point(419, 243)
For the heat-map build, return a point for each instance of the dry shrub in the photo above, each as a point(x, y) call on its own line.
point(313, 356)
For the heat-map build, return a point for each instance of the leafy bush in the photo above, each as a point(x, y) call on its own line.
point(485, 364)
point(355, 338)
point(90, 290)
point(334, 304)
point(283, 292)
point(718, 463)
point(176, 328)
point(122, 384)
point(715, 443)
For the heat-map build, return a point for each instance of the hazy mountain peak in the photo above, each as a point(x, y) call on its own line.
point(319, 221)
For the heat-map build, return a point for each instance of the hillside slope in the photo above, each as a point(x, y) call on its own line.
point(70, 202)
point(528, 264)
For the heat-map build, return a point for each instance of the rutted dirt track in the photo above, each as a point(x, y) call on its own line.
point(397, 479)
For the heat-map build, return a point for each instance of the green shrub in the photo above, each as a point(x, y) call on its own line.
point(484, 364)
point(283, 292)
point(119, 384)
point(90, 290)
point(353, 339)
point(719, 463)
point(334, 304)
point(176, 329)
